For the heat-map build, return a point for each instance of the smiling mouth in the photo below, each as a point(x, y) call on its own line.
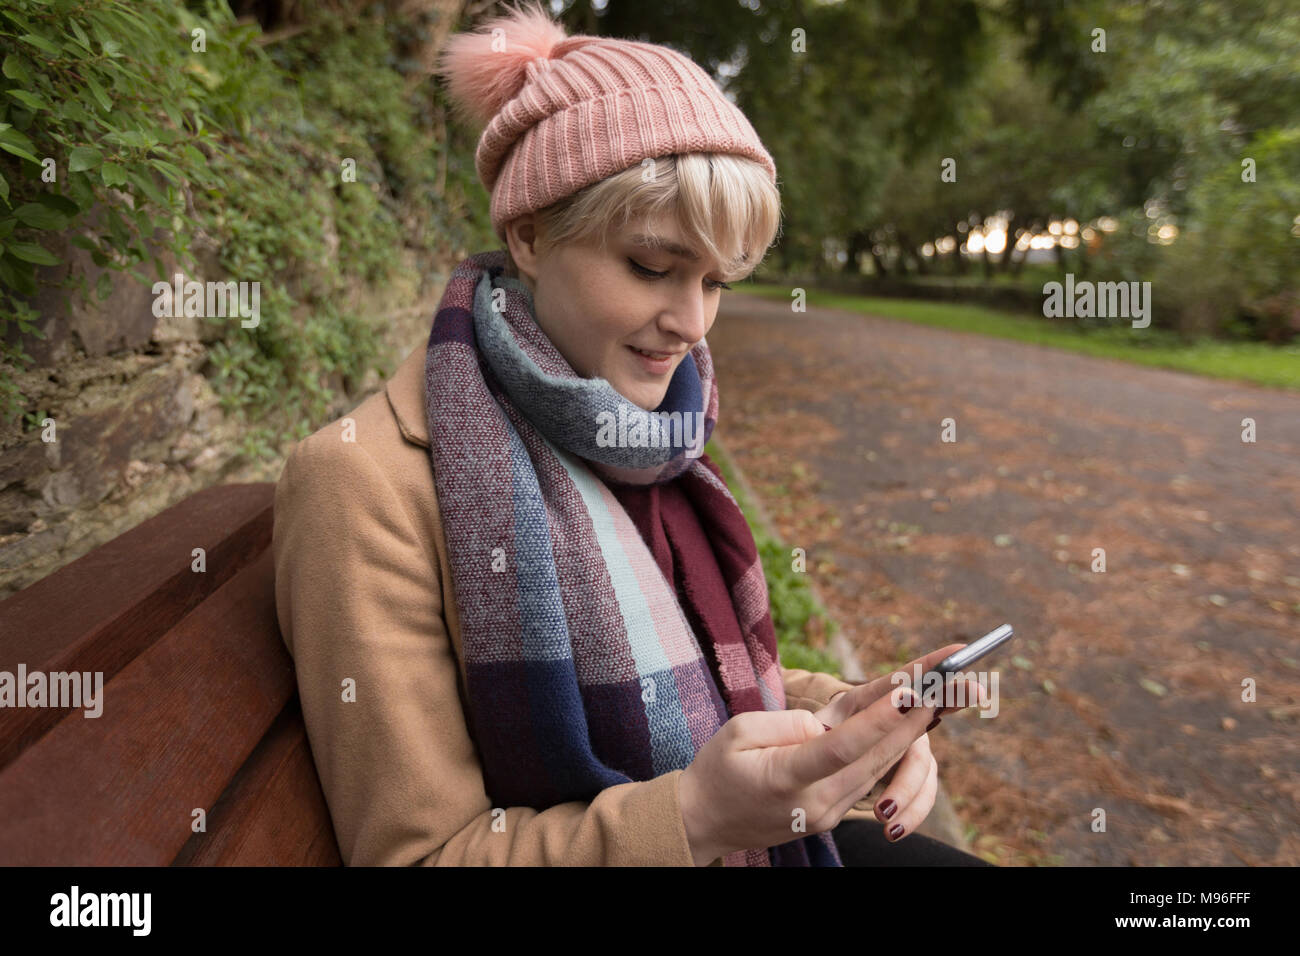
point(656, 356)
point(655, 364)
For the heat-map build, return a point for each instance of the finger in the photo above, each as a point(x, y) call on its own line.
point(857, 782)
point(846, 786)
point(755, 729)
point(860, 735)
point(845, 703)
point(841, 706)
point(909, 778)
point(948, 693)
point(960, 694)
point(934, 657)
point(913, 815)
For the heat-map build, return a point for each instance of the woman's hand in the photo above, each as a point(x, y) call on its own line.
point(912, 785)
point(768, 777)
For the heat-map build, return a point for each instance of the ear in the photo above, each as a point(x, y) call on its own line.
point(521, 238)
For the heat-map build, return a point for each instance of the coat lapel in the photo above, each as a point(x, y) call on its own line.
point(406, 397)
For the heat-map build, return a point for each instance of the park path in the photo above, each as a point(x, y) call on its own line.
point(1125, 689)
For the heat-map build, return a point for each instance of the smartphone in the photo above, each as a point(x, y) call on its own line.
point(960, 661)
point(968, 655)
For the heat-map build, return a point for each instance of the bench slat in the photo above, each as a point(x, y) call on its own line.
point(101, 611)
point(274, 811)
point(178, 722)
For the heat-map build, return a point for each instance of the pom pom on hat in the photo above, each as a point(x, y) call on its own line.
point(487, 67)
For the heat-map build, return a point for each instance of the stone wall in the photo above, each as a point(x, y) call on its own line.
point(137, 425)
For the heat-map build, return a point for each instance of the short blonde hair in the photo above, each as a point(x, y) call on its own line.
point(727, 208)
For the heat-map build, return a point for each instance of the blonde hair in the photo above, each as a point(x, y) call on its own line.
point(727, 208)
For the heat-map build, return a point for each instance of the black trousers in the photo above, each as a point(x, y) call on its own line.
point(863, 843)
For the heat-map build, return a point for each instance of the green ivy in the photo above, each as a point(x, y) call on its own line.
point(244, 142)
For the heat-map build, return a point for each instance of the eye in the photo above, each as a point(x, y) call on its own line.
point(651, 275)
point(643, 271)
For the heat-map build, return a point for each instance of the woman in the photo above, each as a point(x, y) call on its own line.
point(528, 620)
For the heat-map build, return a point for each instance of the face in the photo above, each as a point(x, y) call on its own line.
point(629, 313)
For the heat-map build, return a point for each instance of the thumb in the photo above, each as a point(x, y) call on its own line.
point(776, 728)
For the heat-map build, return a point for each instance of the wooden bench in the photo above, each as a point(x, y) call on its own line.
point(200, 707)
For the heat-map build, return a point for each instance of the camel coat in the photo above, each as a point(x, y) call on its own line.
point(365, 604)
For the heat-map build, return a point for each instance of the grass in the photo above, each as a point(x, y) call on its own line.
point(1254, 362)
point(796, 611)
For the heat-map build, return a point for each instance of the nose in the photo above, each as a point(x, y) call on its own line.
point(688, 316)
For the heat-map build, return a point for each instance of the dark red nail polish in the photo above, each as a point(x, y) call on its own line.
point(827, 726)
point(888, 808)
point(895, 831)
point(933, 724)
point(906, 705)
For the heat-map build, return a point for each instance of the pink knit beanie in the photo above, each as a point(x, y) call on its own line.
point(563, 112)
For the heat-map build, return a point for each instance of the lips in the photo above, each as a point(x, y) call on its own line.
point(653, 355)
point(657, 364)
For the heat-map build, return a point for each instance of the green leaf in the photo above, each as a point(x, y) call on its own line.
point(134, 138)
point(195, 156)
point(104, 287)
point(29, 100)
point(168, 170)
point(4, 188)
point(17, 275)
point(75, 49)
point(83, 158)
point(116, 227)
point(81, 34)
point(9, 273)
point(15, 67)
point(11, 135)
point(40, 43)
point(73, 110)
point(9, 147)
point(147, 186)
point(30, 252)
point(61, 204)
point(97, 91)
point(39, 217)
point(112, 174)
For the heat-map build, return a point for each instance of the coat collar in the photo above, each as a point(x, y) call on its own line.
point(406, 397)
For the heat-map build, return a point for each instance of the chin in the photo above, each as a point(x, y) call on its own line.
point(649, 399)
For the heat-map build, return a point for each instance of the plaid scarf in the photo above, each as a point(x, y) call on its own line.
point(613, 607)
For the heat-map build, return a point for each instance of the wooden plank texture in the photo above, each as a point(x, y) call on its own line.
point(179, 721)
point(274, 812)
point(103, 610)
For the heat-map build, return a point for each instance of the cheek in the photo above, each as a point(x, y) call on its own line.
point(596, 314)
point(608, 320)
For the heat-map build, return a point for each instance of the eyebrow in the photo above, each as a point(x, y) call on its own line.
point(649, 241)
point(665, 245)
